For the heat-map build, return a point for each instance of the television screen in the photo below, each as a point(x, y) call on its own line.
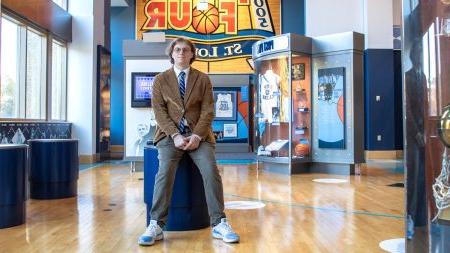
point(141, 88)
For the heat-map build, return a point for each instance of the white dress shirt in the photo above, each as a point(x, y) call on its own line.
point(177, 73)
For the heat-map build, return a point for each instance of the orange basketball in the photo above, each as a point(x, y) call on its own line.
point(302, 149)
point(340, 108)
point(206, 21)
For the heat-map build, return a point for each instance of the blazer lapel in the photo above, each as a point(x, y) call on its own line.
point(172, 81)
point(192, 81)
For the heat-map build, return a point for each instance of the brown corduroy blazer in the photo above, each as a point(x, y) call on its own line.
point(197, 107)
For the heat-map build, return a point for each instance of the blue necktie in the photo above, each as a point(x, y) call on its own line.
point(181, 85)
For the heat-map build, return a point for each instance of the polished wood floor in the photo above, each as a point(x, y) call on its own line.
point(299, 216)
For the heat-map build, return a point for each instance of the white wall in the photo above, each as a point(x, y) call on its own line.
point(333, 16)
point(397, 12)
point(378, 23)
point(81, 76)
point(374, 18)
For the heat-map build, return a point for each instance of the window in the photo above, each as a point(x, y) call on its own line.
point(25, 90)
point(59, 59)
point(62, 3)
point(35, 102)
point(10, 57)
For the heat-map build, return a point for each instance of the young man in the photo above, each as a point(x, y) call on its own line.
point(184, 108)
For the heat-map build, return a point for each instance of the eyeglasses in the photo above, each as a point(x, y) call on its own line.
point(178, 50)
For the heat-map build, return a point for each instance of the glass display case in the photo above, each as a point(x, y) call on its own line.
point(283, 102)
point(426, 107)
point(309, 103)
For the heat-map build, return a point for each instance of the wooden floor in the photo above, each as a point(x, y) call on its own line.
point(299, 216)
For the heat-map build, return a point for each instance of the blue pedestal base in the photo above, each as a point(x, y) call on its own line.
point(188, 209)
point(13, 159)
point(53, 190)
point(53, 168)
point(12, 215)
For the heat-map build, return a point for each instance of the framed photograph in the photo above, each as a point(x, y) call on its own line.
point(230, 130)
point(225, 104)
point(298, 71)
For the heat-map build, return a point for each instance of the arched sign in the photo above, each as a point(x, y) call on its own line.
point(223, 30)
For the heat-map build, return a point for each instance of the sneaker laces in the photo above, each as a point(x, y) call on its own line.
point(152, 228)
point(226, 227)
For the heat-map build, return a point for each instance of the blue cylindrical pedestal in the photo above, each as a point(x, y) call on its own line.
point(13, 160)
point(188, 209)
point(53, 168)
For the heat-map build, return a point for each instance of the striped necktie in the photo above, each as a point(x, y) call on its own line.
point(181, 85)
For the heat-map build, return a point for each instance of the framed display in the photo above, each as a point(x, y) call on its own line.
point(331, 108)
point(298, 71)
point(141, 88)
point(225, 105)
point(230, 130)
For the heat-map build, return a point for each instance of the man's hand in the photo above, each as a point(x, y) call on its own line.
point(180, 141)
point(194, 142)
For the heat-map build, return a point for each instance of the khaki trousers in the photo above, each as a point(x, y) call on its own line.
point(169, 157)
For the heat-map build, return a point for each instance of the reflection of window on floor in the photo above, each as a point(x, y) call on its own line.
point(25, 91)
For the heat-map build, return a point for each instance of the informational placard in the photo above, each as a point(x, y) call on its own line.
point(331, 111)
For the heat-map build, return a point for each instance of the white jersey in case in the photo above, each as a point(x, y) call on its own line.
point(269, 93)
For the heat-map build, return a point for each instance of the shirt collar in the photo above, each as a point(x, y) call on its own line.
point(177, 70)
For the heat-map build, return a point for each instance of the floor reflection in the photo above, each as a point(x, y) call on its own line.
point(299, 215)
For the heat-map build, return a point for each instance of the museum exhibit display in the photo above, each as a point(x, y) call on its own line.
point(231, 125)
point(305, 87)
point(283, 102)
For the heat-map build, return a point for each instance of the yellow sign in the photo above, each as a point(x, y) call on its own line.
point(222, 30)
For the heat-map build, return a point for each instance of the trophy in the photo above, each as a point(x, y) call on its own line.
point(441, 187)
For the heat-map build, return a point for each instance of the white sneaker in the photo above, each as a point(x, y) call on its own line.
point(409, 227)
point(224, 231)
point(152, 233)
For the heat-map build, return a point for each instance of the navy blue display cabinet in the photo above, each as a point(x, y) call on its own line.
point(188, 209)
point(13, 161)
point(53, 168)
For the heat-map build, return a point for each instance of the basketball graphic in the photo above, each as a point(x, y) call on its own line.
point(340, 108)
point(206, 21)
point(302, 149)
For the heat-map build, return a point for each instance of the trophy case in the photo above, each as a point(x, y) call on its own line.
point(282, 110)
point(426, 106)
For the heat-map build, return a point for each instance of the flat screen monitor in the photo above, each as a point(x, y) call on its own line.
point(141, 88)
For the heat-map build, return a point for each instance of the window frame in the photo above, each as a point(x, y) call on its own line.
point(44, 74)
point(24, 26)
point(63, 44)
